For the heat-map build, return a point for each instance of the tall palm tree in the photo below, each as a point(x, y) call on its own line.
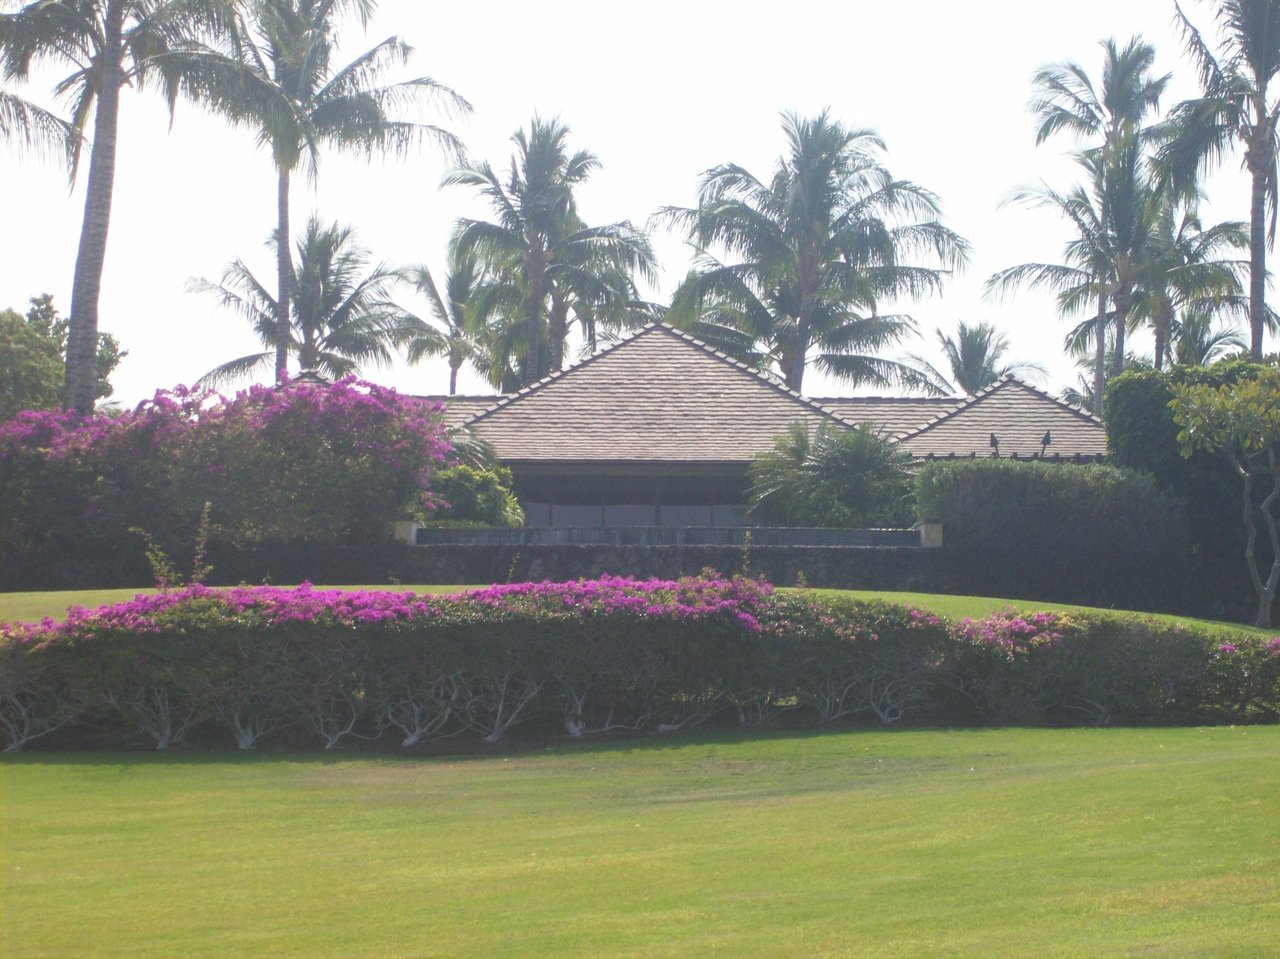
point(1238, 106)
point(462, 308)
point(975, 358)
point(341, 316)
point(1195, 341)
point(568, 272)
point(801, 264)
point(1190, 272)
point(1108, 117)
point(110, 44)
point(279, 79)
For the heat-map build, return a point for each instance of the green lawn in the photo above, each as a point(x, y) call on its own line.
point(976, 843)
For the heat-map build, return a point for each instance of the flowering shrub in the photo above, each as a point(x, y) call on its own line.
point(322, 464)
point(593, 656)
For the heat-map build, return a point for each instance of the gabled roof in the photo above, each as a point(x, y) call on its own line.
point(890, 414)
point(459, 409)
point(1018, 415)
point(658, 396)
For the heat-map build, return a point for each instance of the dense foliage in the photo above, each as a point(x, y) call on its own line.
point(593, 656)
point(836, 478)
point(332, 465)
point(471, 496)
point(1142, 435)
point(1096, 535)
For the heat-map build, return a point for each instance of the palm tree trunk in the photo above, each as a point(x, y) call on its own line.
point(1100, 355)
point(557, 332)
point(1257, 258)
point(82, 342)
point(284, 276)
point(1123, 302)
point(453, 376)
point(533, 330)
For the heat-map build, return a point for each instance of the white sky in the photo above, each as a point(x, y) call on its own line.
point(660, 92)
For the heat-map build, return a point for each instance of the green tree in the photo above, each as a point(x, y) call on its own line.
point(341, 313)
point(567, 272)
point(280, 81)
point(834, 478)
point(1237, 107)
point(1242, 422)
point(975, 358)
point(800, 265)
point(32, 129)
point(1108, 117)
point(110, 44)
point(33, 359)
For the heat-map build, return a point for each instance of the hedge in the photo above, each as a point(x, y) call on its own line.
point(304, 666)
point(1094, 535)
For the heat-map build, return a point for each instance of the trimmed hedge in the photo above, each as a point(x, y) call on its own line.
point(327, 667)
point(1093, 535)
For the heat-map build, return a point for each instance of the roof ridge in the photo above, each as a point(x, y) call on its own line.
point(974, 398)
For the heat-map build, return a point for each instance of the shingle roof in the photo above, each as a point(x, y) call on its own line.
point(459, 409)
point(890, 414)
point(1019, 415)
point(659, 396)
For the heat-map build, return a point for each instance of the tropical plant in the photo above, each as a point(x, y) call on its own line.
point(834, 477)
point(1109, 116)
point(795, 269)
point(32, 129)
point(567, 272)
point(1195, 341)
point(1237, 106)
point(279, 80)
point(1242, 422)
point(341, 315)
point(975, 359)
point(110, 44)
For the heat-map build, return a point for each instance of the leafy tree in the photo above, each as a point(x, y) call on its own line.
point(30, 367)
point(341, 313)
point(32, 361)
point(975, 358)
point(280, 80)
point(1242, 422)
point(1237, 107)
point(796, 268)
point(567, 272)
point(110, 44)
point(835, 478)
point(474, 496)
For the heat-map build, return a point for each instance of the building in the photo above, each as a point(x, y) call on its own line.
point(659, 429)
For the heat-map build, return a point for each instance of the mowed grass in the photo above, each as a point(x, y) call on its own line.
point(973, 843)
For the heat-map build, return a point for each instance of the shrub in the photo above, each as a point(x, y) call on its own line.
point(468, 495)
point(1094, 535)
point(302, 464)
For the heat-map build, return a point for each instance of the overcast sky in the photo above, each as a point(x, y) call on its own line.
point(660, 92)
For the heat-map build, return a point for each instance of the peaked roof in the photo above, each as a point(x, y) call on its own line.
point(1018, 415)
point(658, 396)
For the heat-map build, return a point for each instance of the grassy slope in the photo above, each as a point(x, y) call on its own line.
point(978, 843)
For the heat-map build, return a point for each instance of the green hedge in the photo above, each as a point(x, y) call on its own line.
point(1094, 535)
point(323, 668)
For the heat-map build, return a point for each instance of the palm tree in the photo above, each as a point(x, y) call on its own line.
point(975, 358)
point(462, 308)
point(568, 272)
point(342, 314)
point(1189, 273)
point(1065, 100)
point(1237, 106)
point(279, 80)
point(1195, 341)
point(110, 44)
point(800, 265)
